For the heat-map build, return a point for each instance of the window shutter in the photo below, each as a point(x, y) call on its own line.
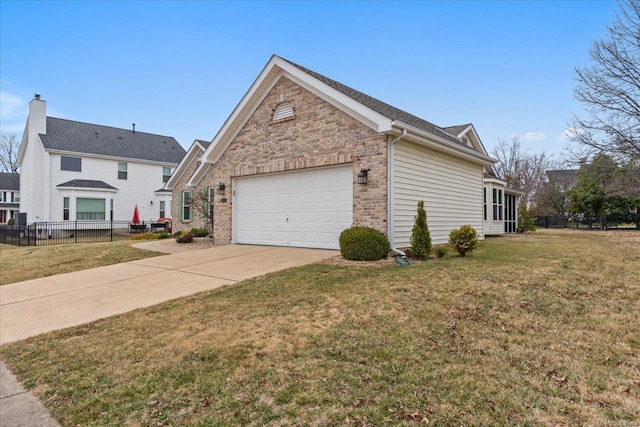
point(179, 205)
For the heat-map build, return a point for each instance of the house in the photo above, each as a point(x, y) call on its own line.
point(9, 196)
point(82, 171)
point(302, 157)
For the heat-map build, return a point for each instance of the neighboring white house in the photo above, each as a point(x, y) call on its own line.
point(9, 196)
point(82, 171)
point(302, 157)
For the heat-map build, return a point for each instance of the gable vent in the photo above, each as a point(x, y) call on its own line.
point(283, 111)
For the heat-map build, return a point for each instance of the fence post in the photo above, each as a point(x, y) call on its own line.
point(75, 232)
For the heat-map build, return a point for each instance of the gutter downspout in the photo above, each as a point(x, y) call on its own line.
point(390, 194)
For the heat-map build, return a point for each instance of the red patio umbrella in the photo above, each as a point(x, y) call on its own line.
point(136, 216)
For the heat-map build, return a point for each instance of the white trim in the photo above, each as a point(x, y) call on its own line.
point(443, 145)
point(184, 164)
point(105, 190)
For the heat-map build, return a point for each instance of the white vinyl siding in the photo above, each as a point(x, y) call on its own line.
point(451, 189)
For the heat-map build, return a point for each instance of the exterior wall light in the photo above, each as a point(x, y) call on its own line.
point(221, 188)
point(362, 176)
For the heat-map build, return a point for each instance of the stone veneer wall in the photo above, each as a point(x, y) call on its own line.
point(319, 135)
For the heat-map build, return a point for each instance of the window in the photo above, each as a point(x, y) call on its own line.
point(73, 164)
point(283, 111)
point(166, 173)
point(89, 209)
point(497, 204)
point(484, 203)
point(3, 195)
point(122, 170)
point(65, 209)
point(186, 205)
point(162, 209)
point(211, 193)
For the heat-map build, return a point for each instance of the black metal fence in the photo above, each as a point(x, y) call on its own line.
point(630, 221)
point(56, 233)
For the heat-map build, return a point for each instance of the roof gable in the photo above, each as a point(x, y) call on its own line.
point(86, 183)
point(193, 154)
point(86, 138)
point(379, 116)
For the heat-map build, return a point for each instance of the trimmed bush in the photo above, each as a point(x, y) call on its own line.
point(420, 236)
point(526, 222)
point(185, 237)
point(199, 232)
point(464, 239)
point(363, 244)
point(11, 221)
point(441, 251)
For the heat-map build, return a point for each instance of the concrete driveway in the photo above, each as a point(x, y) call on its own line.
point(37, 306)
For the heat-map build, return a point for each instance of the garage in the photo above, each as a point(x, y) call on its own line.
point(307, 208)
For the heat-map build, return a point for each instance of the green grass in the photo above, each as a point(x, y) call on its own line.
point(536, 330)
point(18, 263)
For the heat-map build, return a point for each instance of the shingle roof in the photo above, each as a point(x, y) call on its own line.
point(205, 144)
point(87, 183)
point(380, 107)
point(68, 135)
point(9, 181)
point(455, 130)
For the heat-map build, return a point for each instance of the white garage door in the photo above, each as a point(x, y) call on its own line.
point(304, 209)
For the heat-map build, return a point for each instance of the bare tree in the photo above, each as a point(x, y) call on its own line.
point(9, 147)
point(203, 207)
point(552, 196)
point(610, 88)
point(521, 170)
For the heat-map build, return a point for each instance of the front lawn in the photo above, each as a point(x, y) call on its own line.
point(540, 329)
point(18, 263)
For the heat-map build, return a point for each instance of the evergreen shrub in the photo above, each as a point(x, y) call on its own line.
point(185, 237)
point(420, 236)
point(360, 243)
point(464, 239)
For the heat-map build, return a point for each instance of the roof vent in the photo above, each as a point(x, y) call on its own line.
point(37, 96)
point(134, 127)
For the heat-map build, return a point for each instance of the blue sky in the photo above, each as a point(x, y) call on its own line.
point(179, 68)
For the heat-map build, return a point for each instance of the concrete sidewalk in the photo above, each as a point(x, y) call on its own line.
point(43, 305)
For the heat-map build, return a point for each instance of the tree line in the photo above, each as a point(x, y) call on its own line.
point(605, 177)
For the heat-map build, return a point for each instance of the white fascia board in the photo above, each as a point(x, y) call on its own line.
point(495, 181)
point(360, 112)
point(441, 144)
point(476, 137)
point(221, 140)
point(266, 80)
point(198, 174)
point(194, 152)
point(23, 144)
point(102, 190)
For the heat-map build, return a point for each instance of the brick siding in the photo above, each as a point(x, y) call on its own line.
point(319, 135)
